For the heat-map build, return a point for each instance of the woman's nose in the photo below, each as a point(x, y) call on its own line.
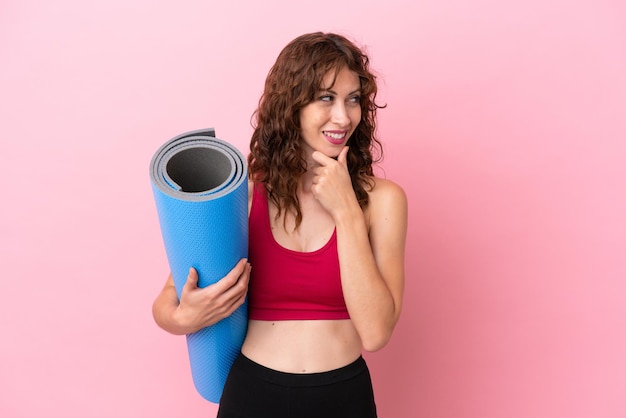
point(340, 114)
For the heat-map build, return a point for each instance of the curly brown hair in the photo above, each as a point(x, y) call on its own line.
point(275, 158)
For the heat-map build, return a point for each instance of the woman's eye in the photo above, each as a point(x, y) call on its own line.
point(355, 99)
point(326, 98)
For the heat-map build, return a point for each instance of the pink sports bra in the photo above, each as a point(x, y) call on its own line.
point(287, 284)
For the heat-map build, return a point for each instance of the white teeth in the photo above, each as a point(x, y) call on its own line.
point(334, 135)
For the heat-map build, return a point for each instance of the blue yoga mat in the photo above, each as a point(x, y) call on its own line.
point(200, 188)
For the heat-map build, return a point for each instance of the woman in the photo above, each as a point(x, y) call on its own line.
point(326, 244)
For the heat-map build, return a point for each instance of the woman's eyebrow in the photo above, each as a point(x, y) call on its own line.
point(335, 93)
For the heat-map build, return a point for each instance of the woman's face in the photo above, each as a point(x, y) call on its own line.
point(329, 120)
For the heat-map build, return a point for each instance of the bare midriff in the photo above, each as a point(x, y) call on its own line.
point(302, 346)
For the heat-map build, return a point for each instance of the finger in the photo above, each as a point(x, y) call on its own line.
point(321, 158)
point(192, 279)
point(241, 286)
point(236, 303)
point(319, 173)
point(238, 291)
point(231, 278)
point(343, 156)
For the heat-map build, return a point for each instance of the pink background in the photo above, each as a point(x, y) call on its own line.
point(506, 125)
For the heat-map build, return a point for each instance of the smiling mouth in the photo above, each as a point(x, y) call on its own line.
point(335, 137)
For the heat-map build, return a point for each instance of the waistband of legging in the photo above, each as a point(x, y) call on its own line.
point(301, 379)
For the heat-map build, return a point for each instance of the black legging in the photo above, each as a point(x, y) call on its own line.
point(255, 391)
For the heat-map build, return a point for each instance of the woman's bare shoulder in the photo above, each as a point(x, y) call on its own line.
point(385, 191)
point(387, 202)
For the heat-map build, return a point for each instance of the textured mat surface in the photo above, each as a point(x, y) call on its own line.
point(200, 189)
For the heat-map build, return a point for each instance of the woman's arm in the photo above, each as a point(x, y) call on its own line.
point(200, 307)
point(371, 249)
point(372, 265)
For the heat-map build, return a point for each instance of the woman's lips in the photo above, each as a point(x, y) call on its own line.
point(335, 137)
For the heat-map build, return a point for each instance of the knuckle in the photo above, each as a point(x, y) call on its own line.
point(242, 286)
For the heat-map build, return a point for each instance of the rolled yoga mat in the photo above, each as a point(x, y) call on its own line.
point(201, 192)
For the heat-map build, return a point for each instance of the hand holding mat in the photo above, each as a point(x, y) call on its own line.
point(200, 188)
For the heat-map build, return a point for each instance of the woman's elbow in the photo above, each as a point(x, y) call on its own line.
point(377, 341)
